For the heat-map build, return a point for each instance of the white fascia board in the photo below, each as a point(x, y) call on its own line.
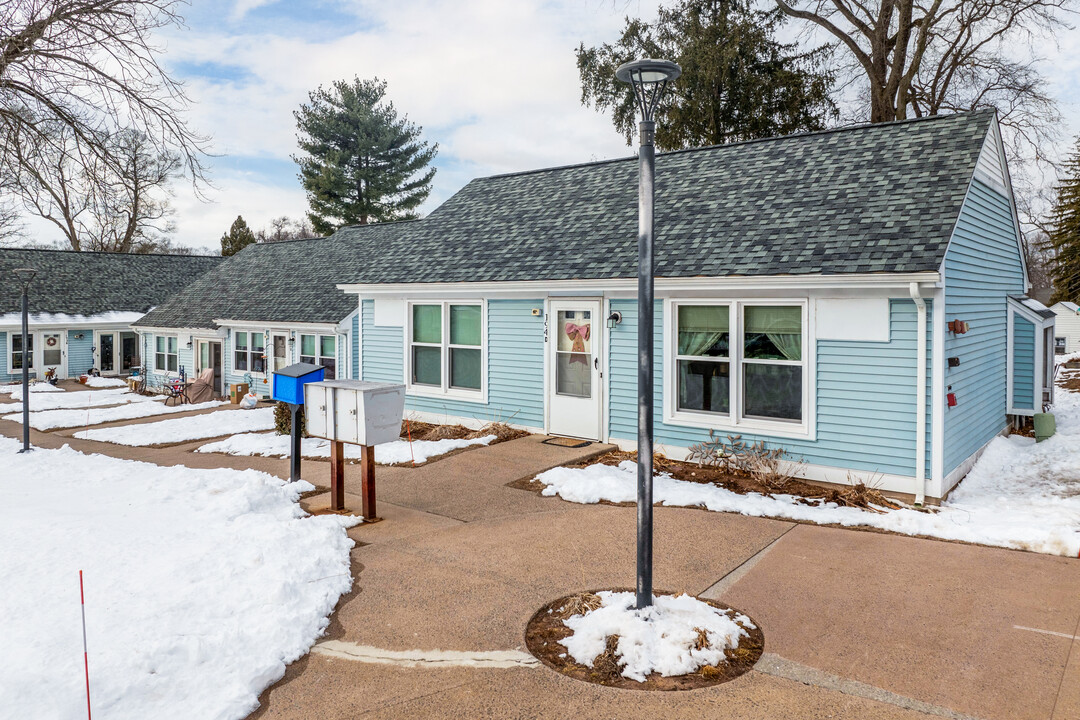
point(1028, 314)
point(201, 332)
point(345, 326)
point(266, 324)
point(533, 288)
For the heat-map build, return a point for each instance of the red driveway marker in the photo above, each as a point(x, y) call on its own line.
point(86, 661)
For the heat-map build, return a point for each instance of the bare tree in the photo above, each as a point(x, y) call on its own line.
point(116, 202)
point(285, 228)
point(931, 56)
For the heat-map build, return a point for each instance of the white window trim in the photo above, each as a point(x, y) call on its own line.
point(735, 422)
point(165, 370)
point(12, 334)
point(266, 360)
point(447, 392)
point(318, 350)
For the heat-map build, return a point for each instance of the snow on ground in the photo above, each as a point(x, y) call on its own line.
point(1021, 494)
point(656, 639)
point(175, 430)
point(391, 453)
point(55, 419)
point(15, 390)
point(82, 399)
point(200, 585)
point(96, 381)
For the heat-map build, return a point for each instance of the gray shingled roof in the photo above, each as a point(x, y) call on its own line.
point(872, 198)
point(86, 283)
point(282, 282)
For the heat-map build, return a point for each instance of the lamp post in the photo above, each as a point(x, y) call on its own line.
point(25, 276)
point(649, 79)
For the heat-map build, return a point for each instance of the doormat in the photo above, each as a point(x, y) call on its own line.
point(567, 442)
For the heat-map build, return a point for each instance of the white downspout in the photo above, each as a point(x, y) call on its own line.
point(920, 397)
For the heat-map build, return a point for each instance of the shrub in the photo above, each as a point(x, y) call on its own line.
point(283, 420)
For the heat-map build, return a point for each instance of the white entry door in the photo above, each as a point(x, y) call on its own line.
point(53, 349)
point(280, 350)
point(574, 360)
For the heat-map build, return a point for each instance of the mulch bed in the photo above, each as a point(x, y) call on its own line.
point(546, 629)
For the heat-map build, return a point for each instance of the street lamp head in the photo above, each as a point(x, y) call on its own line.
point(649, 78)
point(24, 275)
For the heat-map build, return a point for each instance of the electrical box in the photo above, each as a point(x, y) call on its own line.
point(289, 382)
point(353, 411)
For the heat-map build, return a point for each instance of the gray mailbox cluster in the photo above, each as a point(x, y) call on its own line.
point(354, 411)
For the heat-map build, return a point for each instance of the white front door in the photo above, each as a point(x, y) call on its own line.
point(280, 351)
point(53, 353)
point(105, 353)
point(574, 360)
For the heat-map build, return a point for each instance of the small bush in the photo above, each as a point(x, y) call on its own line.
point(283, 420)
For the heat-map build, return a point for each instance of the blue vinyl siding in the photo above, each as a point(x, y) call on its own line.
point(354, 361)
point(982, 268)
point(80, 352)
point(4, 357)
point(865, 397)
point(515, 364)
point(1023, 364)
point(184, 358)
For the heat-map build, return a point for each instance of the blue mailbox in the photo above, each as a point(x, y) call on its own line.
point(288, 382)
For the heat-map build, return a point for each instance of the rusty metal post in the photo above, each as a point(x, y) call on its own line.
point(367, 482)
point(337, 475)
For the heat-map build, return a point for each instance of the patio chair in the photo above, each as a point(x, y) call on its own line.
point(176, 391)
point(202, 390)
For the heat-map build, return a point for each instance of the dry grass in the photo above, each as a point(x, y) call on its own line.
point(446, 432)
point(500, 430)
point(863, 495)
point(660, 462)
point(608, 665)
point(580, 604)
point(701, 642)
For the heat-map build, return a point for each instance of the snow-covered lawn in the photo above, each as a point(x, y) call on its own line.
point(200, 585)
point(96, 381)
point(392, 453)
point(175, 430)
point(15, 390)
point(656, 639)
point(82, 399)
point(1021, 494)
point(55, 419)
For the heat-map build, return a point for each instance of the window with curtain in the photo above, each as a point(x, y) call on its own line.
point(446, 346)
point(772, 362)
point(320, 350)
point(249, 352)
point(703, 358)
point(165, 348)
point(17, 353)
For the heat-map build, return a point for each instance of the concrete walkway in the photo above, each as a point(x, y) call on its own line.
point(857, 624)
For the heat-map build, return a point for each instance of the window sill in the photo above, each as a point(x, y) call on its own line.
point(479, 397)
point(763, 428)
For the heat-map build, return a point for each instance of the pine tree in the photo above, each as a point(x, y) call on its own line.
point(738, 81)
point(238, 237)
point(1064, 235)
point(361, 162)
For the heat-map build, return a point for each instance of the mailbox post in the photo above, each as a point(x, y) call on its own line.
point(288, 387)
point(359, 413)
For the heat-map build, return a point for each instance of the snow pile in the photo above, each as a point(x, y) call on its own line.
point(44, 318)
point(200, 585)
point(96, 381)
point(83, 399)
point(196, 427)
point(661, 638)
point(391, 453)
point(15, 391)
point(55, 419)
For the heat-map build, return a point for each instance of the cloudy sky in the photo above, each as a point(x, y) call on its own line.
point(493, 82)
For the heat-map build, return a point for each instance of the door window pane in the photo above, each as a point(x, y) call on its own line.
point(704, 330)
point(427, 323)
point(427, 365)
point(704, 386)
point(50, 353)
point(573, 375)
point(574, 331)
point(465, 325)
point(465, 368)
point(772, 391)
point(106, 352)
point(773, 333)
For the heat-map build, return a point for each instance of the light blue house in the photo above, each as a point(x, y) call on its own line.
point(855, 296)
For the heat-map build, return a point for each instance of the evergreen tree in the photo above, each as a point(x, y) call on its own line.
point(737, 83)
point(238, 237)
point(1064, 234)
point(362, 163)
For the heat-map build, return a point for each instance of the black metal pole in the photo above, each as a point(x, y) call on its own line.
point(25, 372)
point(294, 462)
point(646, 169)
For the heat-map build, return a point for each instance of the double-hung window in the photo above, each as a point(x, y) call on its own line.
point(320, 350)
point(249, 352)
point(739, 364)
point(446, 348)
point(17, 353)
point(165, 359)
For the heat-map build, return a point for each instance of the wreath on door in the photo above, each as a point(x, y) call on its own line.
point(50, 341)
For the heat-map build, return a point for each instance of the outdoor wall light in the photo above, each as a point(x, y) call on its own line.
point(614, 319)
point(190, 342)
